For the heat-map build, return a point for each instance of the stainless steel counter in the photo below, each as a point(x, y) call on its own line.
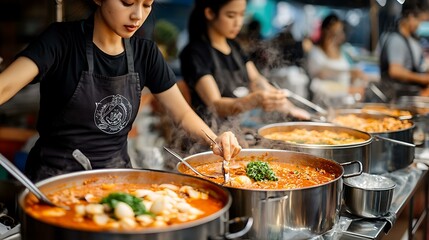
point(408, 180)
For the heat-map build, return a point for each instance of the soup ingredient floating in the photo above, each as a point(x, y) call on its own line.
point(260, 171)
point(304, 136)
point(124, 206)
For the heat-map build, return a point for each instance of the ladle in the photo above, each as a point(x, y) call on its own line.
point(82, 159)
point(187, 164)
point(12, 169)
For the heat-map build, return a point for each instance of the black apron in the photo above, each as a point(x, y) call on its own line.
point(226, 80)
point(96, 120)
point(396, 88)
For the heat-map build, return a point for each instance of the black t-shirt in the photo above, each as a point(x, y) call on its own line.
point(59, 53)
point(196, 61)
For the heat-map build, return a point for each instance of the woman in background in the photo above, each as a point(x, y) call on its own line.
point(327, 64)
point(218, 72)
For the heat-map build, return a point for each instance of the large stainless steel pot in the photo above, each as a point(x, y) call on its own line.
point(388, 151)
point(339, 153)
point(285, 214)
point(403, 111)
point(212, 226)
point(391, 150)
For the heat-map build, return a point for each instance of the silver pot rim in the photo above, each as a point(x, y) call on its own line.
point(374, 114)
point(369, 189)
point(171, 228)
point(369, 136)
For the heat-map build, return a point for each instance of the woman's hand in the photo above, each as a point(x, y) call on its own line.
point(295, 111)
point(299, 113)
point(271, 100)
point(229, 144)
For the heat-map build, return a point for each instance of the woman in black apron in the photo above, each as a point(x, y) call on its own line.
point(91, 74)
point(215, 68)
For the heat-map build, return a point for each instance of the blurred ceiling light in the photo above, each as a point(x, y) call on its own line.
point(353, 17)
point(284, 15)
point(381, 2)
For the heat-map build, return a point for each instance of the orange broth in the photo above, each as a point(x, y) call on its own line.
point(290, 176)
point(75, 196)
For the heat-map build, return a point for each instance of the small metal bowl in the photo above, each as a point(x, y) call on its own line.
point(368, 195)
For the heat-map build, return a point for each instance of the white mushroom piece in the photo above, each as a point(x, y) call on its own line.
point(123, 210)
point(192, 193)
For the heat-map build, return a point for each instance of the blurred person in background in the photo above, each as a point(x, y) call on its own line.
point(404, 71)
point(332, 74)
point(294, 51)
point(223, 81)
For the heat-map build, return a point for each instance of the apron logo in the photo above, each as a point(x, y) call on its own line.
point(112, 114)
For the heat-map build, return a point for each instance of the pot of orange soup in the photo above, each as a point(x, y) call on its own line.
point(303, 203)
point(176, 206)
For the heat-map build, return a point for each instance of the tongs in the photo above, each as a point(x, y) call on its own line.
point(301, 99)
point(225, 164)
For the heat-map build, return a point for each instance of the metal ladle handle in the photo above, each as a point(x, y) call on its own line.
point(82, 159)
point(183, 161)
point(395, 141)
point(12, 169)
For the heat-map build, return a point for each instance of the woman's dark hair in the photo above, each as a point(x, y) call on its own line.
point(91, 5)
point(329, 21)
point(197, 25)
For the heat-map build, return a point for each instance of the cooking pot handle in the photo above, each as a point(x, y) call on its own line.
point(274, 199)
point(353, 174)
point(242, 232)
point(395, 141)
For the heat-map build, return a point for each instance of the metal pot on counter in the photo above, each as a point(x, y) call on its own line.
point(368, 195)
point(300, 213)
point(392, 149)
point(339, 153)
point(213, 226)
point(381, 152)
point(404, 109)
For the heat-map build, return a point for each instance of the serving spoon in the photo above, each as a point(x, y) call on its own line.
point(187, 164)
point(12, 169)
